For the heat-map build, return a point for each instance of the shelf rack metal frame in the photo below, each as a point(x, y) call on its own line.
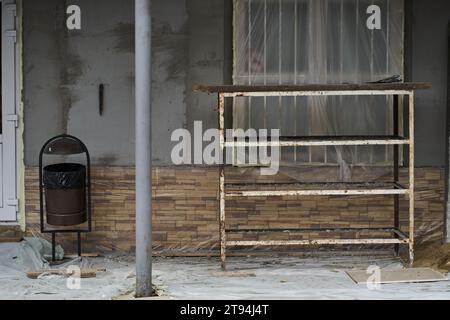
point(227, 191)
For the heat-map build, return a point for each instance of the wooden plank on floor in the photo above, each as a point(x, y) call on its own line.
point(410, 275)
point(84, 273)
point(235, 274)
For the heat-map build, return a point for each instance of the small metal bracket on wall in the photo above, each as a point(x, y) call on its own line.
point(101, 92)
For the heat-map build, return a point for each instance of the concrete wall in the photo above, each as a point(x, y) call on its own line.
point(63, 69)
point(429, 59)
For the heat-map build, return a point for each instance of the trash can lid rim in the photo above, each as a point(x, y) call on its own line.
point(64, 167)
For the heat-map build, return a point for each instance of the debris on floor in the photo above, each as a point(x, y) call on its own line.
point(82, 273)
point(36, 252)
point(433, 254)
point(84, 255)
point(114, 273)
point(238, 274)
point(413, 275)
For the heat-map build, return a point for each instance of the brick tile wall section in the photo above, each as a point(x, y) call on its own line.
point(185, 209)
point(10, 234)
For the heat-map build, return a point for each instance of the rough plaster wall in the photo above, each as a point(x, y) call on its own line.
point(206, 59)
point(62, 72)
point(170, 44)
point(64, 68)
point(43, 116)
point(429, 63)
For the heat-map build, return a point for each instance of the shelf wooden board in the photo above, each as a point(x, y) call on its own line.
point(402, 86)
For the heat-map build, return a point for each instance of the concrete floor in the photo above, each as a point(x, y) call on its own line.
point(315, 277)
point(321, 277)
point(16, 259)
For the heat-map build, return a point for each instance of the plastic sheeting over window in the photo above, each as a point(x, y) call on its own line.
point(320, 41)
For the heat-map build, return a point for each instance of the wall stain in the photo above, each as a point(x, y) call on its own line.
point(174, 46)
point(73, 69)
point(107, 159)
point(124, 33)
point(29, 69)
point(71, 66)
point(207, 63)
point(61, 42)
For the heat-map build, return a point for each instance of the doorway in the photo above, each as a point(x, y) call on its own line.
point(9, 202)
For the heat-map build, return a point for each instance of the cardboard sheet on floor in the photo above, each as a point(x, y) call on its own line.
point(398, 276)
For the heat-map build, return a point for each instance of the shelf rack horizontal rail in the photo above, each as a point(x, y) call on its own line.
point(252, 243)
point(317, 230)
point(313, 189)
point(317, 141)
point(397, 237)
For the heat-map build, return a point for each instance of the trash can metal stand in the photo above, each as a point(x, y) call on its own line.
point(65, 190)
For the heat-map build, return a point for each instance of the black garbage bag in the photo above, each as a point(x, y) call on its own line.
point(64, 176)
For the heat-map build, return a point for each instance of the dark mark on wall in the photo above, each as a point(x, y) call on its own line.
point(206, 63)
point(124, 33)
point(107, 159)
point(173, 46)
point(73, 69)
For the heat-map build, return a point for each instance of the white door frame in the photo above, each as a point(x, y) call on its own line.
point(9, 203)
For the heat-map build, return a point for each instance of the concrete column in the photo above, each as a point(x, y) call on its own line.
point(143, 149)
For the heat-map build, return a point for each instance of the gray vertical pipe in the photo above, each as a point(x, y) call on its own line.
point(143, 149)
point(447, 169)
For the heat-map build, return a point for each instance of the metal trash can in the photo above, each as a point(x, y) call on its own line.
point(65, 194)
point(65, 189)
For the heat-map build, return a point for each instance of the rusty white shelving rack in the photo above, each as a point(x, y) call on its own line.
point(404, 137)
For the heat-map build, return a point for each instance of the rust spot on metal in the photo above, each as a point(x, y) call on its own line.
point(222, 225)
